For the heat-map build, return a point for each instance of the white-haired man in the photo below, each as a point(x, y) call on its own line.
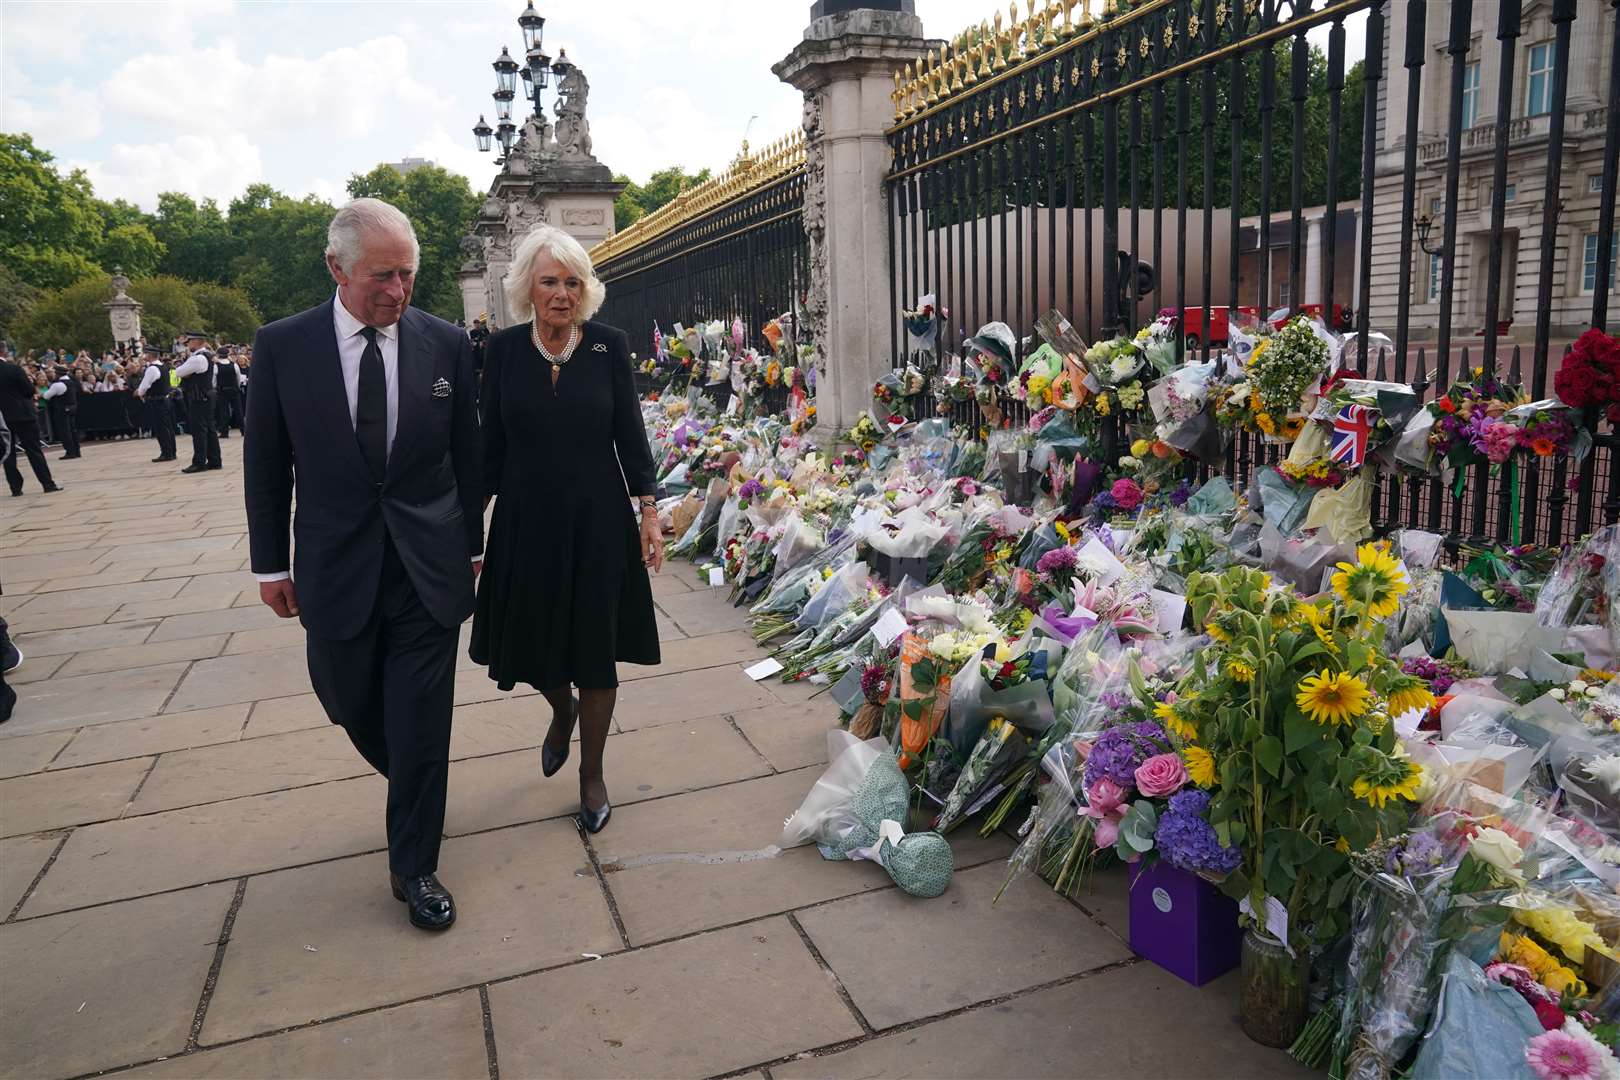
point(366, 407)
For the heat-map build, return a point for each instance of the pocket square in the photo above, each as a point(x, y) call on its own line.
point(599, 347)
point(441, 389)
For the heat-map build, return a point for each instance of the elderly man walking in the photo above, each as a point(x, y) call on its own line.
point(366, 407)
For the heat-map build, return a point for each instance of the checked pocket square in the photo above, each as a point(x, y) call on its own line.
point(441, 389)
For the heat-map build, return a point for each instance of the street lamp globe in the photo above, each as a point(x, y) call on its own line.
point(533, 25)
point(505, 74)
point(505, 133)
point(562, 66)
point(482, 131)
point(538, 71)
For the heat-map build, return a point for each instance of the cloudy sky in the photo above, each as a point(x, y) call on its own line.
point(208, 96)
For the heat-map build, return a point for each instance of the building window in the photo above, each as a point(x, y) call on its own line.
point(1510, 192)
point(1434, 277)
point(1589, 263)
point(1285, 293)
point(1538, 81)
point(1594, 184)
point(1437, 205)
point(1470, 96)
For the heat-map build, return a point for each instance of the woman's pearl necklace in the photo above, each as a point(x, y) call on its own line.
point(556, 360)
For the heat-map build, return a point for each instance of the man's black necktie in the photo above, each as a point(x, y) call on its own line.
point(371, 407)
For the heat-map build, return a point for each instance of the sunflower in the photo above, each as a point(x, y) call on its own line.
point(1375, 582)
point(1292, 427)
point(1175, 724)
point(1319, 621)
point(1200, 765)
point(1331, 698)
point(1409, 695)
point(1239, 670)
point(1214, 631)
point(1265, 423)
point(1378, 790)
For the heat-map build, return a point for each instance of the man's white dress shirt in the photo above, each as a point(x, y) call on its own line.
point(148, 380)
point(197, 363)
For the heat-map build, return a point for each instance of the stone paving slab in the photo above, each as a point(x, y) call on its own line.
point(989, 950)
point(1070, 1031)
point(70, 797)
point(726, 649)
point(153, 735)
point(21, 754)
point(184, 605)
point(249, 677)
point(103, 595)
point(505, 789)
point(177, 848)
point(37, 669)
point(61, 620)
point(94, 699)
point(671, 699)
point(217, 618)
point(760, 996)
point(705, 612)
point(790, 736)
point(212, 774)
point(294, 713)
point(21, 858)
point(441, 1038)
point(289, 634)
point(106, 986)
point(526, 899)
point(64, 642)
point(137, 656)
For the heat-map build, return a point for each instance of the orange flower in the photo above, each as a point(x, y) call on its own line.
point(1543, 447)
point(1161, 449)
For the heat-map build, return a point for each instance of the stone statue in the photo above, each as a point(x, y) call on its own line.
point(120, 284)
point(573, 130)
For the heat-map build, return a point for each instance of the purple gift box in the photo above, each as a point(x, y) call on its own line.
point(1183, 923)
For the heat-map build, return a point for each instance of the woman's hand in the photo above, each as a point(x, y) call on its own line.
point(652, 541)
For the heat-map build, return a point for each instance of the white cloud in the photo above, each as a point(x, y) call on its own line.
point(216, 167)
point(61, 114)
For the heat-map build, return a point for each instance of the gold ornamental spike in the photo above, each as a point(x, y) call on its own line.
point(974, 57)
point(1068, 27)
point(1015, 33)
point(930, 82)
point(956, 69)
point(985, 47)
point(998, 46)
point(1050, 38)
point(899, 113)
point(1085, 15)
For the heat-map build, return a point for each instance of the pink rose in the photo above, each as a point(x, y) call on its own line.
point(1161, 775)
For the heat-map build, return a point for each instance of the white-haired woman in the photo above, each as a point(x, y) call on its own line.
point(564, 595)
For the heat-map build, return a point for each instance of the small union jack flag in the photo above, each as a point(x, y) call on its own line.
point(1352, 428)
point(658, 342)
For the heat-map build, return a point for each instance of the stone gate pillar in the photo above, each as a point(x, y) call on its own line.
point(845, 67)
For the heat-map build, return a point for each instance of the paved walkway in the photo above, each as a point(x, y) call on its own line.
point(192, 879)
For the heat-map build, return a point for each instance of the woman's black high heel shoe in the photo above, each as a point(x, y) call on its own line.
point(595, 820)
point(549, 762)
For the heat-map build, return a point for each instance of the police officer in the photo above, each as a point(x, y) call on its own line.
point(197, 389)
point(17, 395)
point(156, 390)
point(63, 398)
point(227, 393)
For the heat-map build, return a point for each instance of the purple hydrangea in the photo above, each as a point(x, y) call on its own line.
point(1059, 558)
point(1181, 494)
point(750, 489)
point(1188, 842)
point(1417, 853)
point(1113, 701)
point(1119, 750)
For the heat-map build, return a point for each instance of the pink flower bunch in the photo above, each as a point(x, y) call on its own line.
point(1105, 804)
point(1161, 775)
point(1565, 1055)
point(1501, 439)
point(1127, 493)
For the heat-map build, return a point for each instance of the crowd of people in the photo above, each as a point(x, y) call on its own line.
point(192, 386)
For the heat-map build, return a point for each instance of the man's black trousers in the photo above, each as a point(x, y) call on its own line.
point(391, 688)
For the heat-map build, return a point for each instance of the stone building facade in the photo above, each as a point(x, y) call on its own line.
point(1585, 118)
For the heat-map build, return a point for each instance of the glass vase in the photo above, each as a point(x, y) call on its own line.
point(1274, 984)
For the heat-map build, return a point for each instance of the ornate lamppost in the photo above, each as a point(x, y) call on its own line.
point(536, 74)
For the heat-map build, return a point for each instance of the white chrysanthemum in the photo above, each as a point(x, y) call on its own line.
point(1607, 770)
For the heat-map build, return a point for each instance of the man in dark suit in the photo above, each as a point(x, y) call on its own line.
point(17, 395)
point(365, 407)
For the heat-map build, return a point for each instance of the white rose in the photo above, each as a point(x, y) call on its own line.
point(1577, 685)
point(1556, 693)
point(1497, 848)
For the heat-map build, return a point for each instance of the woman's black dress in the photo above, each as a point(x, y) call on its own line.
point(564, 593)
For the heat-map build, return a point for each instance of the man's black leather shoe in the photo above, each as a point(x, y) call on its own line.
point(430, 904)
point(158, 459)
point(194, 468)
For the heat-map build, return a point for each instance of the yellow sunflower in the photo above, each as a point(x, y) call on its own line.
point(1265, 423)
point(1411, 695)
point(1375, 582)
point(1214, 631)
point(1175, 724)
point(1378, 792)
point(1200, 765)
point(1239, 670)
point(1333, 698)
point(1319, 621)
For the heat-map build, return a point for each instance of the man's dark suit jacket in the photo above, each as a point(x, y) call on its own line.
point(300, 436)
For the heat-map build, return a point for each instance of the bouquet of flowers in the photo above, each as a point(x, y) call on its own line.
point(865, 434)
point(1589, 377)
point(1469, 421)
point(1272, 398)
point(922, 324)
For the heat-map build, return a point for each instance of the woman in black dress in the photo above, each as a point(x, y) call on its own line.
point(564, 595)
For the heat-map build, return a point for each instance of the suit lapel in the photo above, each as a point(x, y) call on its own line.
point(415, 372)
point(329, 397)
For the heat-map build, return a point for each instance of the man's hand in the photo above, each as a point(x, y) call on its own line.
point(280, 597)
point(652, 542)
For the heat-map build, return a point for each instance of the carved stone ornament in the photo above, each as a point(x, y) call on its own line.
point(583, 217)
point(814, 309)
point(573, 130)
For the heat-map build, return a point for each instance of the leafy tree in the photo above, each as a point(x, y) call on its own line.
point(440, 205)
point(197, 240)
point(49, 225)
point(132, 247)
point(168, 308)
point(16, 297)
point(639, 200)
point(70, 317)
point(281, 242)
point(226, 311)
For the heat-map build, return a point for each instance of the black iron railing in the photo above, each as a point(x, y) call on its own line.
point(1115, 167)
point(731, 248)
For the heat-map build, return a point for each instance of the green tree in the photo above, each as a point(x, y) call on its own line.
point(638, 200)
point(226, 311)
point(50, 228)
point(168, 308)
point(70, 317)
point(281, 240)
point(16, 298)
point(132, 247)
point(197, 240)
point(440, 205)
